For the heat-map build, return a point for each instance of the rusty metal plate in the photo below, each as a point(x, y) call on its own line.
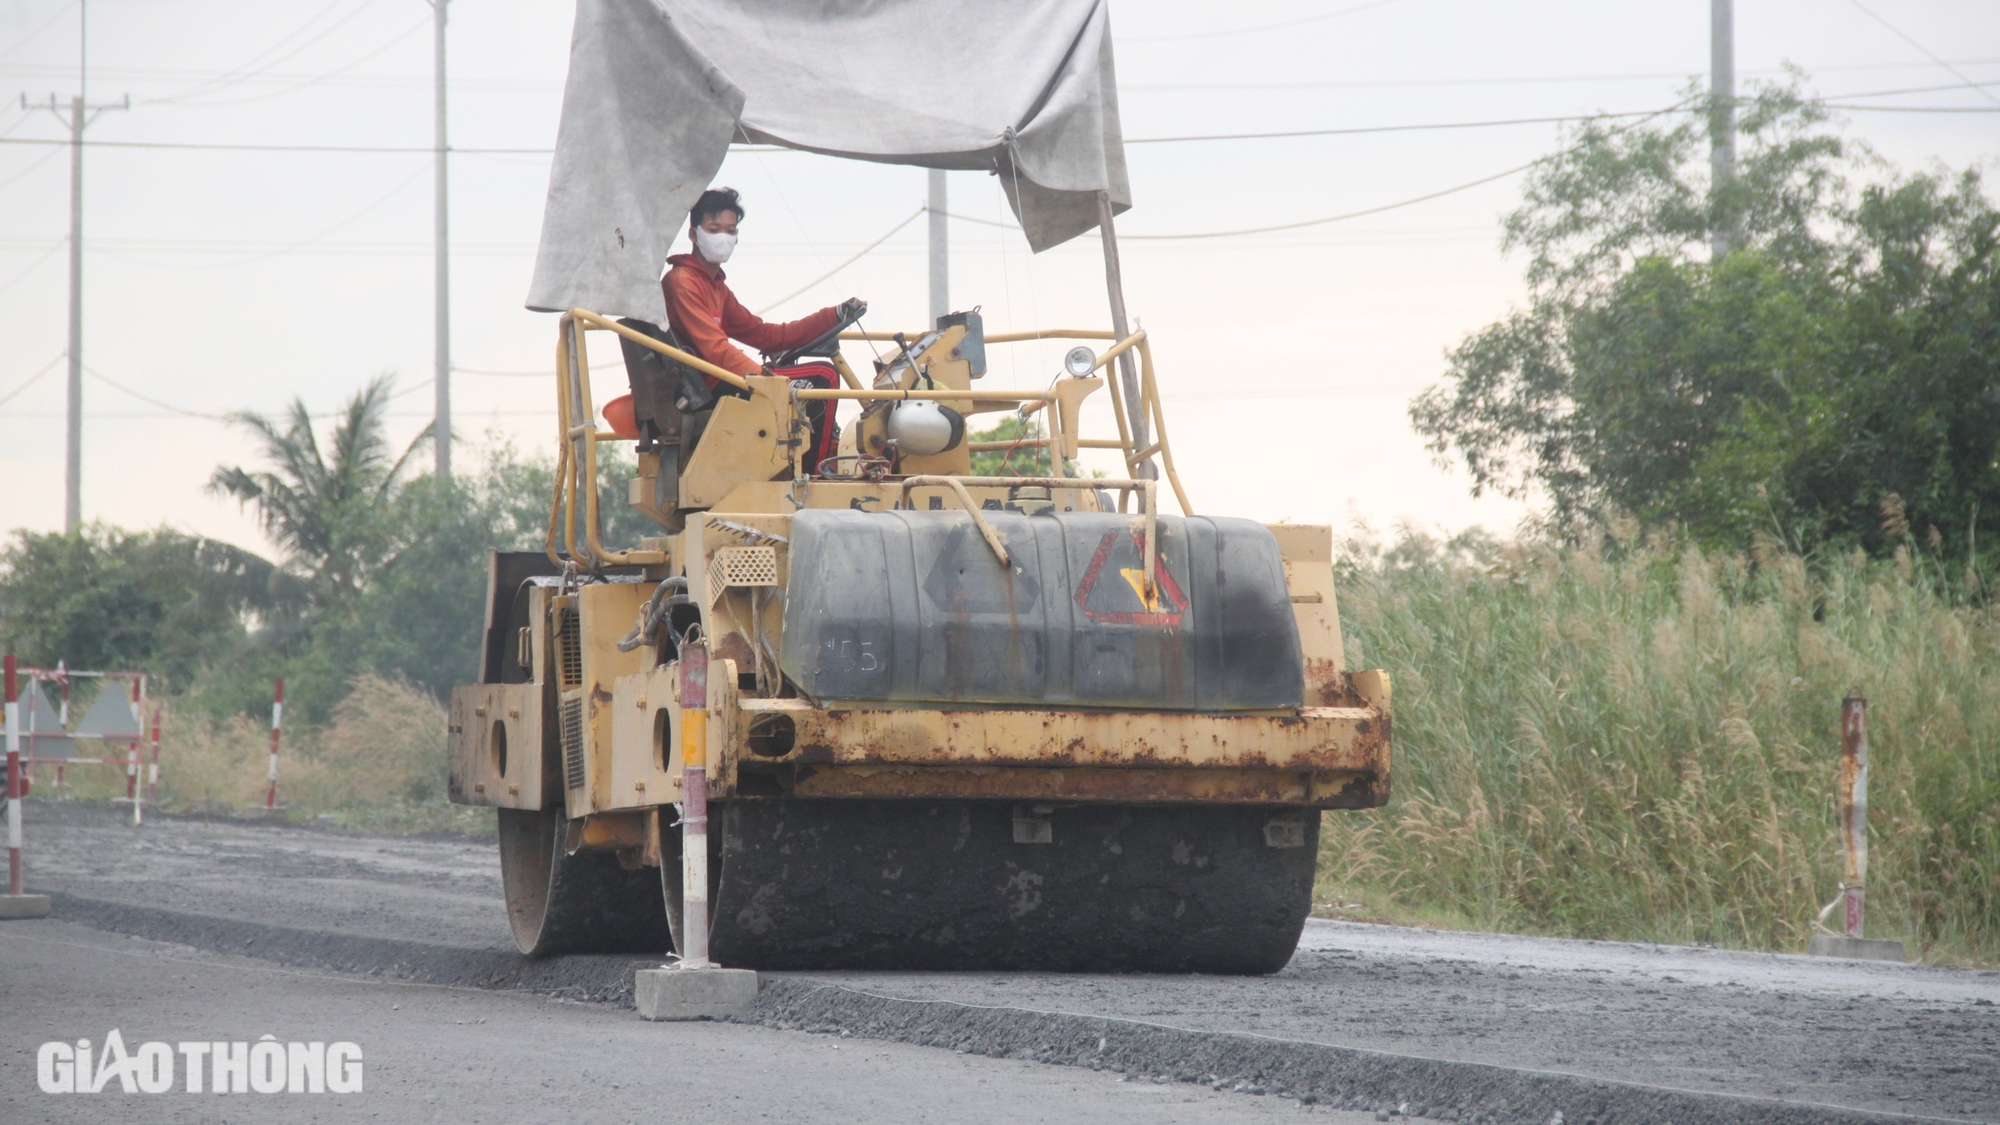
point(1351, 739)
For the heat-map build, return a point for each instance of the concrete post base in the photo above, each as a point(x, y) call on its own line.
point(24, 906)
point(1859, 949)
point(693, 994)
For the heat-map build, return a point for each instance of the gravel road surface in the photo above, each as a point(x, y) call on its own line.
point(1897, 1039)
point(468, 1055)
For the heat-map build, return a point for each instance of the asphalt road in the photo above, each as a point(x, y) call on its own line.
point(470, 1055)
point(1904, 1039)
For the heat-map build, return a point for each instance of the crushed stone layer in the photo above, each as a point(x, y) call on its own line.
point(475, 1056)
point(1889, 1039)
point(445, 891)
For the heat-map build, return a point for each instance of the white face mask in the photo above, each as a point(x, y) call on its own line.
point(714, 246)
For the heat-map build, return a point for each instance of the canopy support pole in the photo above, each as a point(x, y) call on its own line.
point(1128, 373)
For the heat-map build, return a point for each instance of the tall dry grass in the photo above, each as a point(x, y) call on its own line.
point(1647, 748)
point(379, 763)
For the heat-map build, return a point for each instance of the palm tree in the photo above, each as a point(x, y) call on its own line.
point(325, 511)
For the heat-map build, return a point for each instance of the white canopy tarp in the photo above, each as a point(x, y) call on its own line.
point(658, 89)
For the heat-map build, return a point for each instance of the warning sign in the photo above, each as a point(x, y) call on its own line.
point(1125, 602)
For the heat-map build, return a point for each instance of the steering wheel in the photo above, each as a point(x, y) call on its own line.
point(826, 344)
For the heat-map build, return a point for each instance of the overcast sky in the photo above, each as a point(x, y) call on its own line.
point(220, 281)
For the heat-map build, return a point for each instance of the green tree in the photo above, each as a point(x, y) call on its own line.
point(325, 510)
point(1841, 357)
point(157, 601)
point(1026, 461)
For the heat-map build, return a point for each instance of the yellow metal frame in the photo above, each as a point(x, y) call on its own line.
point(576, 460)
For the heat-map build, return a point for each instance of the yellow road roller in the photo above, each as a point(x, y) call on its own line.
point(854, 705)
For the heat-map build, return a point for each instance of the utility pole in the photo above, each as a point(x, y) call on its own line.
point(1721, 123)
point(940, 249)
point(441, 361)
point(77, 116)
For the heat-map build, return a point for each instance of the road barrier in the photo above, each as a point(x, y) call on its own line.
point(16, 903)
point(115, 719)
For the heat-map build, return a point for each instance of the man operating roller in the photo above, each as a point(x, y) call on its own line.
point(706, 316)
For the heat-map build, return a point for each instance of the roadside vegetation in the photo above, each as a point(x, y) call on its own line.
point(1640, 740)
point(1768, 473)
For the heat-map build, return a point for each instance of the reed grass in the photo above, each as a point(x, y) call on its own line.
point(378, 765)
point(1644, 744)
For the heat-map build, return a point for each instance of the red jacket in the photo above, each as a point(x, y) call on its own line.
point(705, 315)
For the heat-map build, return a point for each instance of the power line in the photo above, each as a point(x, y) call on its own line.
point(317, 80)
point(1254, 29)
point(23, 173)
point(1912, 108)
point(410, 81)
point(97, 416)
point(117, 386)
point(30, 37)
point(1357, 130)
point(914, 215)
point(273, 78)
point(1919, 46)
point(1368, 84)
point(30, 380)
point(1468, 186)
point(303, 243)
point(245, 71)
point(32, 267)
point(1416, 127)
point(1301, 392)
point(212, 147)
point(203, 414)
point(1388, 128)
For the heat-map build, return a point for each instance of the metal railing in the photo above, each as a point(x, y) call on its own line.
point(576, 465)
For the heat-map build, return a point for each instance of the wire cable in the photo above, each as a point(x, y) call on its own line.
point(1467, 186)
point(1357, 130)
point(30, 37)
point(1526, 80)
point(30, 380)
point(33, 266)
point(22, 174)
point(260, 63)
point(1411, 128)
point(303, 243)
point(318, 79)
point(914, 216)
point(146, 398)
point(214, 147)
point(186, 413)
point(1252, 30)
point(1866, 11)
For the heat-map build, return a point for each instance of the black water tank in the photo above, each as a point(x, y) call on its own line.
point(913, 606)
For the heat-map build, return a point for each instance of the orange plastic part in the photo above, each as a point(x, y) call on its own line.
point(618, 412)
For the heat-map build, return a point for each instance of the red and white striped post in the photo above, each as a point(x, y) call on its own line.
point(13, 779)
point(16, 903)
point(62, 682)
point(153, 781)
point(277, 721)
point(132, 759)
point(694, 804)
